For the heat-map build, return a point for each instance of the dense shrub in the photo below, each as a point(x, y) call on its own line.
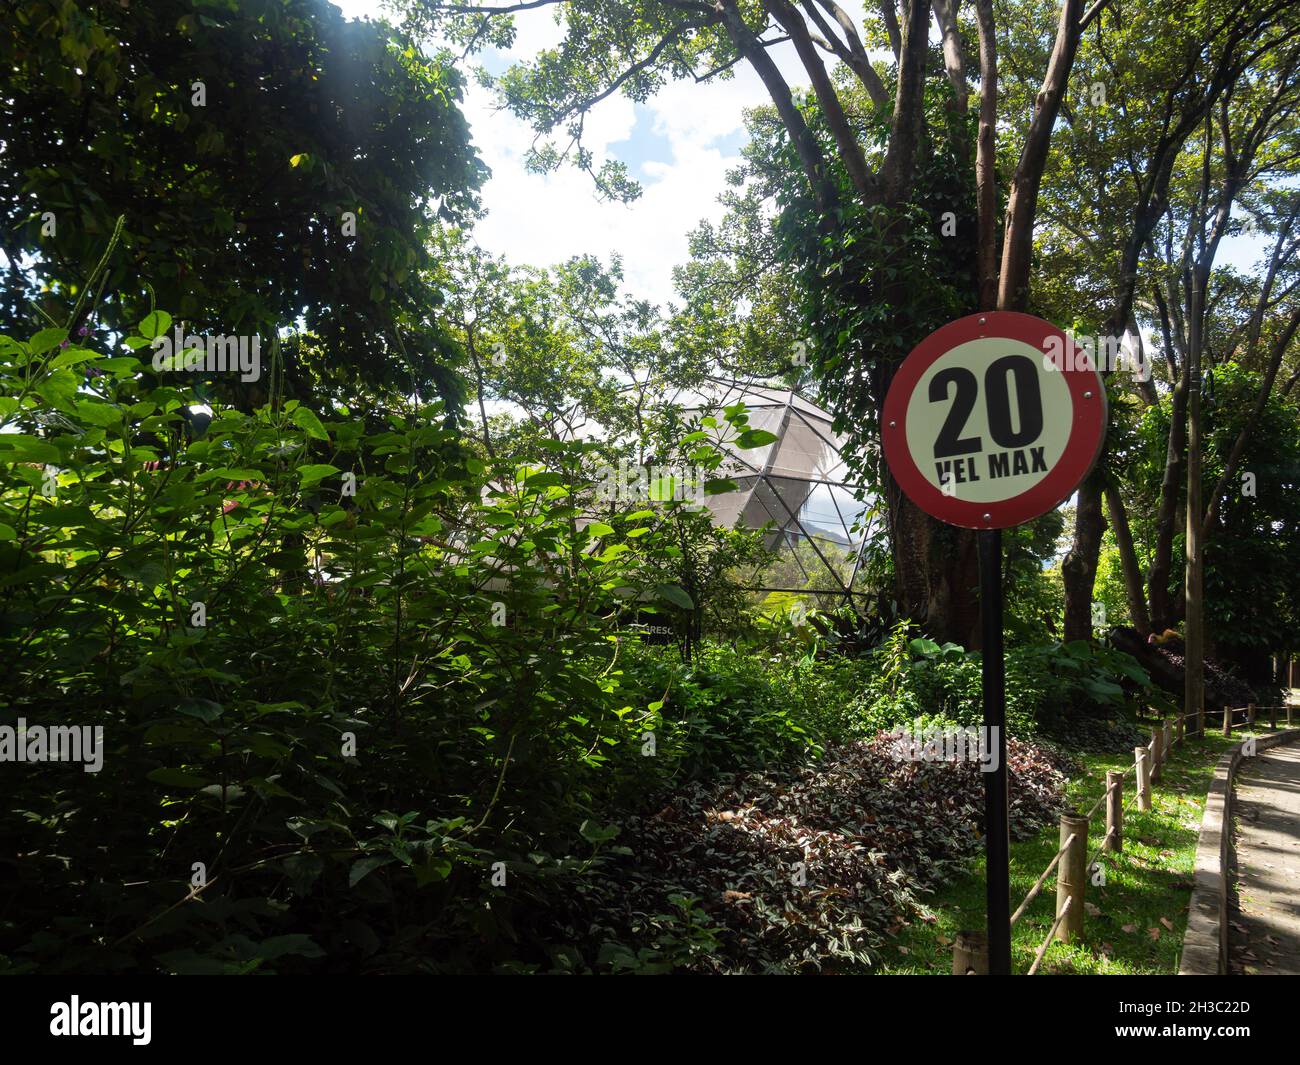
point(1046, 684)
point(288, 623)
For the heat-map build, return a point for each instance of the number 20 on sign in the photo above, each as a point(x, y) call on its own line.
point(989, 423)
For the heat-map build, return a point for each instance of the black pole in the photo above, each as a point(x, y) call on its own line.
point(997, 834)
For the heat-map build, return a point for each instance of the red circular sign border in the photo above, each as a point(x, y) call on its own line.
point(1087, 434)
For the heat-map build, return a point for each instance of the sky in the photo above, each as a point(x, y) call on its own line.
point(679, 146)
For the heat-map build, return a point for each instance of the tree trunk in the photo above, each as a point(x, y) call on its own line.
point(936, 572)
point(1194, 630)
point(1162, 612)
point(1137, 600)
point(1079, 569)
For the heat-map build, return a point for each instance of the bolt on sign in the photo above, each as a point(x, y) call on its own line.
point(993, 420)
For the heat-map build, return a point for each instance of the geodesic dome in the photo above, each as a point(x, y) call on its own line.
point(798, 483)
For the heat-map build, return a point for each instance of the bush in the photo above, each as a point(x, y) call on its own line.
point(1046, 684)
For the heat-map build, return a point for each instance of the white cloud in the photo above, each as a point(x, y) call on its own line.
point(544, 219)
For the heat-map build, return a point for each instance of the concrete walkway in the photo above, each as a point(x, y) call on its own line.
point(1264, 933)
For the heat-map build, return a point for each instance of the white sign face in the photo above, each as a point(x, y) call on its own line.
point(987, 426)
point(980, 416)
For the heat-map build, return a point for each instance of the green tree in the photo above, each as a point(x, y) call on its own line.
point(275, 164)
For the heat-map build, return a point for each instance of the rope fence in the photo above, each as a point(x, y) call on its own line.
point(1072, 870)
point(1033, 891)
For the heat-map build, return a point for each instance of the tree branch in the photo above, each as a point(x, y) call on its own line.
point(810, 153)
point(986, 175)
point(905, 132)
point(1018, 238)
point(845, 140)
point(945, 13)
point(849, 50)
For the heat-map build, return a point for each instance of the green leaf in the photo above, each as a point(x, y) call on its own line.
point(313, 472)
point(363, 867)
point(230, 793)
point(18, 447)
point(71, 357)
point(755, 438)
point(307, 421)
point(542, 480)
point(675, 594)
point(294, 943)
point(155, 325)
point(98, 413)
point(46, 340)
point(203, 709)
point(433, 869)
point(594, 833)
point(664, 489)
point(59, 389)
point(230, 473)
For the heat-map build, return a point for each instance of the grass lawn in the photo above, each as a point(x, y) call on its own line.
point(1134, 924)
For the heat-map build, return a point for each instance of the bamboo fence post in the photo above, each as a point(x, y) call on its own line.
point(1272, 718)
point(1157, 740)
point(1250, 714)
point(1169, 740)
point(1114, 810)
point(1141, 757)
point(1071, 876)
point(970, 954)
point(1227, 720)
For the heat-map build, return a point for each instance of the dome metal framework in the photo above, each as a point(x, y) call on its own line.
point(798, 487)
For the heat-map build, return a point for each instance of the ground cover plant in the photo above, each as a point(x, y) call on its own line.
point(392, 582)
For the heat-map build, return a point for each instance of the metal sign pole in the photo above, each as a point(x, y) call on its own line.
point(997, 832)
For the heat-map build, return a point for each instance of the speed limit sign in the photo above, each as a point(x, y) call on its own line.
point(993, 420)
